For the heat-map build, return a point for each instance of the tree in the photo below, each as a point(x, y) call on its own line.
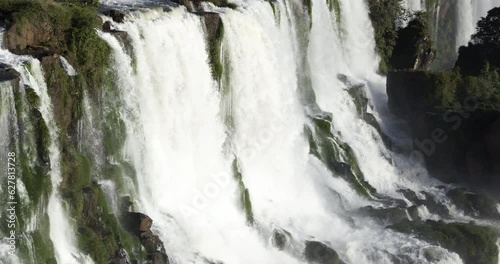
point(484, 48)
point(488, 29)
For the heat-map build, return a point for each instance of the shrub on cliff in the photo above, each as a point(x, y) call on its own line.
point(41, 28)
point(488, 29)
point(484, 48)
point(384, 15)
point(413, 48)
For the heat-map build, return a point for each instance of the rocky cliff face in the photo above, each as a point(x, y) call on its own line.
point(457, 144)
point(413, 49)
point(453, 117)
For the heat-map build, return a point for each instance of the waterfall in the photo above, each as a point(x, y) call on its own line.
point(61, 230)
point(8, 127)
point(414, 5)
point(222, 155)
point(195, 156)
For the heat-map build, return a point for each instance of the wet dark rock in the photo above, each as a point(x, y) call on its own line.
point(474, 244)
point(126, 204)
point(136, 223)
point(413, 212)
point(36, 114)
point(389, 201)
point(106, 27)
point(342, 169)
point(213, 22)
point(159, 258)
point(385, 215)
point(413, 48)
point(117, 15)
point(8, 74)
point(140, 225)
point(474, 204)
point(317, 252)
point(195, 5)
point(434, 206)
point(280, 238)
point(410, 195)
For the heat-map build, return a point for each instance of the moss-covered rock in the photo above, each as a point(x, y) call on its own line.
point(385, 215)
point(243, 192)
point(474, 244)
point(474, 204)
point(215, 32)
point(335, 154)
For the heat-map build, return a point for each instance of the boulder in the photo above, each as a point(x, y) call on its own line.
point(317, 252)
point(280, 238)
point(140, 225)
point(136, 223)
point(7, 74)
point(151, 242)
point(117, 15)
point(159, 258)
point(474, 244)
point(474, 204)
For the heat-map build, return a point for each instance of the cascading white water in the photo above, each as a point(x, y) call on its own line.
point(183, 149)
point(465, 19)
point(414, 5)
point(468, 13)
point(183, 146)
point(7, 120)
point(176, 140)
point(61, 230)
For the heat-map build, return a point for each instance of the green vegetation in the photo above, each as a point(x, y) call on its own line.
point(61, 28)
point(333, 152)
point(243, 193)
point(474, 204)
point(384, 15)
point(484, 49)
point(215, 53)
point(69, 28)
point(414, 45)
point(487, 29)
point(43, 245)
point(32, 167)
point(334, 5)
point(451, 91)
point(32, 98)
point(474, 244)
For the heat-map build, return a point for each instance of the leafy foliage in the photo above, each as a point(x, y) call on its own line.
point(384, 15)
point(488, 29)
